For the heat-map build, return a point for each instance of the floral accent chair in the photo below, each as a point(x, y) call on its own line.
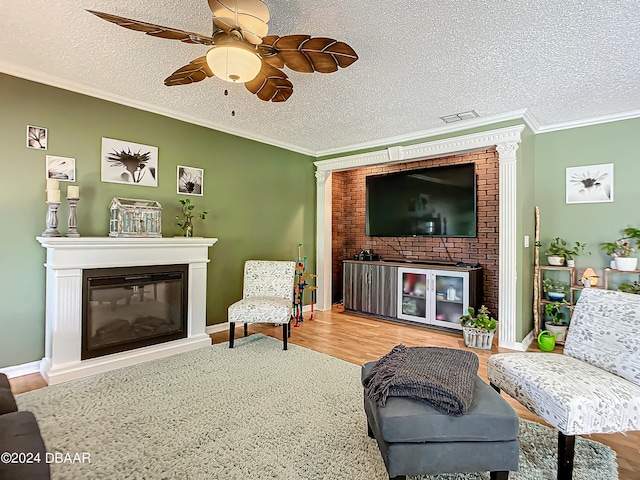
point(594, 385)
point(267, 297)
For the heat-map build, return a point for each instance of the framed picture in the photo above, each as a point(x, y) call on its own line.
point(190, 180)
point(36, 137)
point(61, 168)
point(129, 162)
point(590, 184)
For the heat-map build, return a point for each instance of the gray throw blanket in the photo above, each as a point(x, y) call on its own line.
point(443, 377)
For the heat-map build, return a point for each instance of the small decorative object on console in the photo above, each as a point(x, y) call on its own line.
point(131, 217)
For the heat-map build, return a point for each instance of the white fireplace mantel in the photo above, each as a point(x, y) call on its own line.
point(68, 256)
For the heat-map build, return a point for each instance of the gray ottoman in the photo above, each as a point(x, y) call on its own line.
point(416, 439)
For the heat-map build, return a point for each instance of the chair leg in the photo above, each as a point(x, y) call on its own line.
point(566, 444)
point(501, 475)
point(232, 333)
point(246, 329)
point(289, 329)
point(285, 335)
point(496, 388)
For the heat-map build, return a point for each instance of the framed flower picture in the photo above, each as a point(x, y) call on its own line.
point(590, 184)
point(61, 168)
point(129, 162)
point(36, 137)
point(190, 180)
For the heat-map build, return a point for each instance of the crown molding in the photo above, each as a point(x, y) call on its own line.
point(525, 115)
point(615, 117)
point(437, 148)
point(448, 129)
point(52, 81)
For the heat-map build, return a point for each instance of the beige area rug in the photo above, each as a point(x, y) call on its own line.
point(252, 412)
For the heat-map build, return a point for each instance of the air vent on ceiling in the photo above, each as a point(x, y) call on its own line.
point(456, 117)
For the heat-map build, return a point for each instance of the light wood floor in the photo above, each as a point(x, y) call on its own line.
point(359, 339)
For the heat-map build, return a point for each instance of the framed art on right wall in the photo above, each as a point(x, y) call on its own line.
point(590, 184)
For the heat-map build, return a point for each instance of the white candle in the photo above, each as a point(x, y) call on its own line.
point(53, 184)
point(73, 191)
point(53, 196)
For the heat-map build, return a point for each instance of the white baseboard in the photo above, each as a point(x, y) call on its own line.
point(20, 370)
point(217, 327)
point(520, 346)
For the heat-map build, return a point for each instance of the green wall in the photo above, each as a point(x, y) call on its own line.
point(615, 142)
point(261, 198)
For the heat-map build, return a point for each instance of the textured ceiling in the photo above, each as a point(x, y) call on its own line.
point(558, 63)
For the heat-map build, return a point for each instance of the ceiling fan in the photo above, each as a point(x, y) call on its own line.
point(242, 52)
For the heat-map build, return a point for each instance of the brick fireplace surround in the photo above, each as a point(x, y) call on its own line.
point(68, 256)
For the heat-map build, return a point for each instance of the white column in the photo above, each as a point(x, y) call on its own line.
point(507, 263)
point(323, 239)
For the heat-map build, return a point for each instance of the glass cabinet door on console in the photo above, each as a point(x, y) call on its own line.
point(412, 294)
point(434, 297)
point(451, 298)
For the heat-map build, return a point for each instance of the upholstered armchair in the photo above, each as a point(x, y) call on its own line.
point(594, 385)
point(267, 297)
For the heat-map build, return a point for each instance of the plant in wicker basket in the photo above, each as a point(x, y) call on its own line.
point(478, 327)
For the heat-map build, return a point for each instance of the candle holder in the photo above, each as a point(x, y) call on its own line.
point(73, 221)
point(52, 220)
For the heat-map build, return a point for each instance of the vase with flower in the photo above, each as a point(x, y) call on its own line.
point(185, 222)
point(622, 248)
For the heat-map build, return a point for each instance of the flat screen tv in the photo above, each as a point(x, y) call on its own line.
point(435, 202)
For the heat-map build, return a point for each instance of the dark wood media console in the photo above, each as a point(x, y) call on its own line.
point(431, 294)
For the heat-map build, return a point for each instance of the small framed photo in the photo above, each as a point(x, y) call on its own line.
point(590, 184)
point(36, 137)
point(129, 162)
point(61, 168)
point(190, 180)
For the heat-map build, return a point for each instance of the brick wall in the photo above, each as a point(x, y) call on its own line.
point(348, 223)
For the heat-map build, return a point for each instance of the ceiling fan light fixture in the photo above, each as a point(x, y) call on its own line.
point(235, 62)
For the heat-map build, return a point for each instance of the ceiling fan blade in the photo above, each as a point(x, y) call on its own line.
point(271, 84)
point(248, 16)
point(154, 30)
point(303, 53)
point(196, 71)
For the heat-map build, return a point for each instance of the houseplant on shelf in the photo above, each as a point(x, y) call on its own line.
point(630, 287)
point(557, 323)
point(478, 328)
point(185, 222)
point(555, 289)
point(621, 249)
point(559, 251)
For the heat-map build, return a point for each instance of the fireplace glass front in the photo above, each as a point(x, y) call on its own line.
point(132, 307)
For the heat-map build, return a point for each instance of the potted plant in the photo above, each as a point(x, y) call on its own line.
point(559, 251)
point(556, 324)
point(630, 287)
point(478, 328)
point(185, 222)
point(621, 249)
point(554, 289)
